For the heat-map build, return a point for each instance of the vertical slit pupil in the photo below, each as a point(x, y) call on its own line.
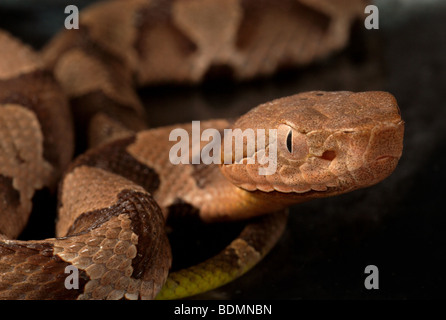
point(289, 140)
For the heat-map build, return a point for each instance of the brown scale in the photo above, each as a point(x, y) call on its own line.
point(31, 271)
point(113, 157)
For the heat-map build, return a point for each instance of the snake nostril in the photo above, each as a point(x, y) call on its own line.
point(328, 155)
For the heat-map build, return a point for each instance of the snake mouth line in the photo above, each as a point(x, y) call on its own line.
point(293, 195)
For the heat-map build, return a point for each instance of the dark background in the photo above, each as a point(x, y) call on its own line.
point(397, 225)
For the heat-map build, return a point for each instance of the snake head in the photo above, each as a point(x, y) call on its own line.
point(318, 143)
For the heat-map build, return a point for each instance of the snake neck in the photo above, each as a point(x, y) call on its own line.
point(236, 203)
point(214, 198)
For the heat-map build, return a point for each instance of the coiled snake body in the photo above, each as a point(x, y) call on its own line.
point(114, 198)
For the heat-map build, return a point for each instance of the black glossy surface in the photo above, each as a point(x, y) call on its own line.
point(397, 225)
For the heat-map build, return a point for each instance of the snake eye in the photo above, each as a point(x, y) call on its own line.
point(289, 141)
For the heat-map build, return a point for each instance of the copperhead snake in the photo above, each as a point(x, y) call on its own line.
point(115, 197)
